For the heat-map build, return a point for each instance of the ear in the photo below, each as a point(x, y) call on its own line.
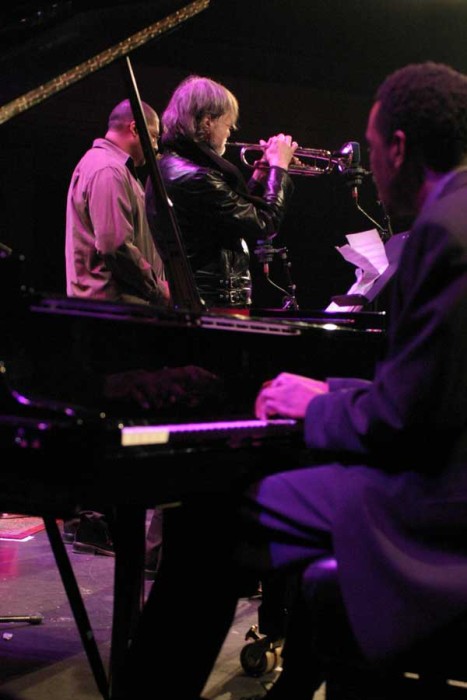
point(205, 124)
point(206, 121)
point(397, 148)
point(132, 128)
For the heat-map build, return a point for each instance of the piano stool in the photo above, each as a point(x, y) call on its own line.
point(264, 640)
point(438, 666)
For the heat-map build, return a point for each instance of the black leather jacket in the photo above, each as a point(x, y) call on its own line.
point(218, 213)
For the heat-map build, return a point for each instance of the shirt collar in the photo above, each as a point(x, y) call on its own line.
point(118, 153)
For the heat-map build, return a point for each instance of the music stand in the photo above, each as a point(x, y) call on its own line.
point(393, 247)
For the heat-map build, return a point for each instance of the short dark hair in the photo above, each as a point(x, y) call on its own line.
point(428, 102)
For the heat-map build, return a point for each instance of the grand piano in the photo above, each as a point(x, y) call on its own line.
point(69, 367)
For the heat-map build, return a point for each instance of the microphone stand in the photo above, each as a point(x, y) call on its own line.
point(354, 178)
point(265, 252)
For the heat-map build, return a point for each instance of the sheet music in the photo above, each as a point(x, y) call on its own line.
point(366, 251)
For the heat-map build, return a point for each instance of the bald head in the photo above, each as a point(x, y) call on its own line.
point(123, 132)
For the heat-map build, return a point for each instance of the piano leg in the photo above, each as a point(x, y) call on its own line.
point(77, 605)
point(128, 534)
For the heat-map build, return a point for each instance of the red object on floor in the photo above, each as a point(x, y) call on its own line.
point(15, 527)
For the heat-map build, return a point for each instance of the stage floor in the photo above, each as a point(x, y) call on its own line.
point(47, 662)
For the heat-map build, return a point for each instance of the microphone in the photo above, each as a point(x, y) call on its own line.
point(265, 253)
point(355, 162)
point(354, 173)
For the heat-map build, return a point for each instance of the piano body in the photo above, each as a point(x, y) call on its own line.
point(200, 440)
point(67, 366)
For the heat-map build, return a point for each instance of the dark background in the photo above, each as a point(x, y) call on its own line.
point(304, 67)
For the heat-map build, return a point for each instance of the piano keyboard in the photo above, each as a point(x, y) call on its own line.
point(135, 435)
point(116, 438)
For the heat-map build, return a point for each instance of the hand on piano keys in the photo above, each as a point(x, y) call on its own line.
point(287, 395)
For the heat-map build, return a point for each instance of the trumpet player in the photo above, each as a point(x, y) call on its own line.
point(218, 212)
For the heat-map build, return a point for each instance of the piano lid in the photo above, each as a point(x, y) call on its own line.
point(47, 46)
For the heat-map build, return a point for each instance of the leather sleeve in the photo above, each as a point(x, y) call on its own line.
point(206, 204)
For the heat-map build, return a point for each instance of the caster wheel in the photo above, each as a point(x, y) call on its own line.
point(253, 659)
point(257, 658)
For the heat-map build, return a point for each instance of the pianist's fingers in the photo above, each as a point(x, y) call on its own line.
point(264, 405)
point(288, 395)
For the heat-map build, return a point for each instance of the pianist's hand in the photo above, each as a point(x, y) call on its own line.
point(287, 395)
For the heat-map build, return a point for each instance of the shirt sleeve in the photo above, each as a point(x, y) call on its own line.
point(116, 214)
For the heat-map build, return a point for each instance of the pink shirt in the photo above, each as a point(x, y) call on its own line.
point(109, 250)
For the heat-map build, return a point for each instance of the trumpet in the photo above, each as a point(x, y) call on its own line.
point(311, 161)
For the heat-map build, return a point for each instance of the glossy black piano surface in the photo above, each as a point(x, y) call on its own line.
point(51, 464)
point(47, 45)
point(67, 400)
point(204, 365)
